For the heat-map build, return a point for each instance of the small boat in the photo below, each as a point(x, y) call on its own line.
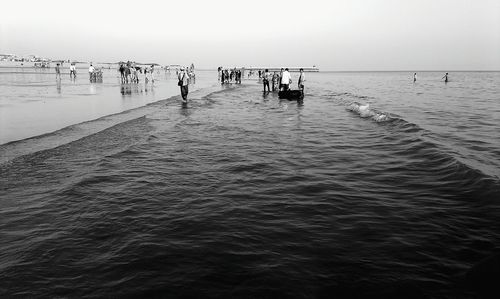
point(291, 94)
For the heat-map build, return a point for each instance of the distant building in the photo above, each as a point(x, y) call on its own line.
point(7, 57)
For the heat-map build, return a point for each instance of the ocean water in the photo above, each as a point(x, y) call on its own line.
point(373, 186)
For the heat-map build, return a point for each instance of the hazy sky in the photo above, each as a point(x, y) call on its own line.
point(334, 35)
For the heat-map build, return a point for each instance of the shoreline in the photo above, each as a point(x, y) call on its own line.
point(17, 148)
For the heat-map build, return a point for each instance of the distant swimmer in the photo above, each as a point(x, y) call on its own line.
point(286, 80)
point(415, 77)
point(302, 79)
point(445, 77)
point(183, 83)
point(265, 80)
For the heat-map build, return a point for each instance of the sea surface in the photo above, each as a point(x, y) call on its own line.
point(372, 186)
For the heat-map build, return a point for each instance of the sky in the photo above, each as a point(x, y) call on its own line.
point(342, 35)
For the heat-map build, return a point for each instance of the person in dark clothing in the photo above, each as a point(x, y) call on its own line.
point(265, 80)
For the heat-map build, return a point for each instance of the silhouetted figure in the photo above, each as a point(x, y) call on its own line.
point(281, 76)
point(415, 77)
point(302, 79)
point(58, 72)
point(445, 77)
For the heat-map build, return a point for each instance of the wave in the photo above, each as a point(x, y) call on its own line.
point(350, 95)
point(453, 165)
point(364, 111)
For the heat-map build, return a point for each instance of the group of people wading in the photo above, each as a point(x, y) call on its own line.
point(129, 72)
point(229, 76)
point(281, 81)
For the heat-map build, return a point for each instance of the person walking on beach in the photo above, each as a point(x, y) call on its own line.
point(302, 79)
point(415, 77)
point(183, 83)
point(135, 76)
point(192, 76)
point(128, 73)
point(58, 72)
point(122, 72)
point(286, 80)
point(445, 77)
point(72, 70)
point(265, 80)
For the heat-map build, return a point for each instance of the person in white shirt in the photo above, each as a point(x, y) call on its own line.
point(183, 83)
point(91, 71)
point(286, 80)
point(72, 70)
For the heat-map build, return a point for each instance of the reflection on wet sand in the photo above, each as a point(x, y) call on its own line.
point(130, 89)
point(58, 85)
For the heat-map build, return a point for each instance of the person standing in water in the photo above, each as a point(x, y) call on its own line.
point(58, 72)
point(91, 71)
point(274, 81)
point(415, 77)
point(445, 77)
point(280, 77)
point(302, 79)
point(183, 83)
point(265, 80)
point(286, 80)
point(72, 70)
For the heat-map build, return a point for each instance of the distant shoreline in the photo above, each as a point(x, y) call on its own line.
point(108, 66)
point(112, 65)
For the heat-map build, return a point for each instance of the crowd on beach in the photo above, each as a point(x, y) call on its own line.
point(72, 71)
point(129, 72)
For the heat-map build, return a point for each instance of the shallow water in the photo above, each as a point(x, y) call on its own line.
point(33, 102)
point(373, 186)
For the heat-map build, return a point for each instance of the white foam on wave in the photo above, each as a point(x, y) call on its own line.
point(364, 111)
